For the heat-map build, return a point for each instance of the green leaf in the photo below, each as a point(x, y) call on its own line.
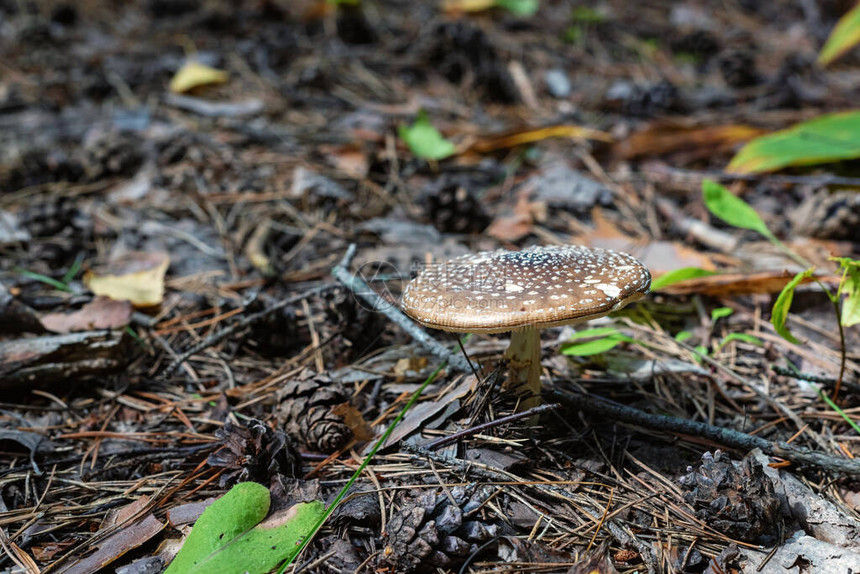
point(586, 15)
point(682, 336)
point(844, 36)
point(607, 338)
point(592, 333)
point(229, 537)
point(721, 313)
point(825, 139)
point(732, 209)
point(73, 269)
point(678, 275)
point(424, 140)
point(523, 8)
point(740, 337)
point(850, 287)
point(58, 285)
point(783, 304)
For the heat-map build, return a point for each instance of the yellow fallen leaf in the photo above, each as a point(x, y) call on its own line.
point(136, 277)
point(193, 75)
point(511, 139)
point(467, 5)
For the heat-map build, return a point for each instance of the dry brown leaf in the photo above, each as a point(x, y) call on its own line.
point(663, 256)
point(48, 550)
point(350, 160)
point(604, 228)
point(361, 430)
point(421, 413)
point(658, 256)
point(136, 277)
point(100, 313)
point(131, 533)
point(664, 138)
point(732, 284)
point(513, 227)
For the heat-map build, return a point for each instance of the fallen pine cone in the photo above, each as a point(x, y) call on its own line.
point(254, 453)
point(735, 498)
point(429, 531)
point(306, 412)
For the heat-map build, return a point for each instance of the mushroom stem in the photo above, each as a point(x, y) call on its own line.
point(524, 367)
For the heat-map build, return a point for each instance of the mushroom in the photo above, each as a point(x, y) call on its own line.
point(523, 292)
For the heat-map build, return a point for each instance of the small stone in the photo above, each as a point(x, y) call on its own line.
point(557, 83)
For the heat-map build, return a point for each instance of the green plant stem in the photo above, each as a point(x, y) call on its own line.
point(835, 407)
point(73, 269)
point(834, 300)
point(843, 353)
point(340, 496)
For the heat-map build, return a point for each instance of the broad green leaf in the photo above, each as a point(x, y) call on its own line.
point(827, 138)
point(592, 333)
point(595, 347)
point(850, 287)
point(844, 36)
point(230, 536)
point(732, 209)
point(424, 140)
point(524, 8)
point(607, 338)
point(678, 275)
point(720, 313)
point(783, 304)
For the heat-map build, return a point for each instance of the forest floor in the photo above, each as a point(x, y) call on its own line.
point(234, 343)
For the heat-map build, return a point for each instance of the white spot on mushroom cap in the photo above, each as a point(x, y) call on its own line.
point(610, 290)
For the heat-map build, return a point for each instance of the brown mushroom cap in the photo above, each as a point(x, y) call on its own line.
point(500, 291)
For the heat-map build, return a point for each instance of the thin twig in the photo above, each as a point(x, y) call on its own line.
point(359, 288)
point(754, 387)
point(820, 379)
point(219, 336)
point(446, 440)
point(732, 438)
